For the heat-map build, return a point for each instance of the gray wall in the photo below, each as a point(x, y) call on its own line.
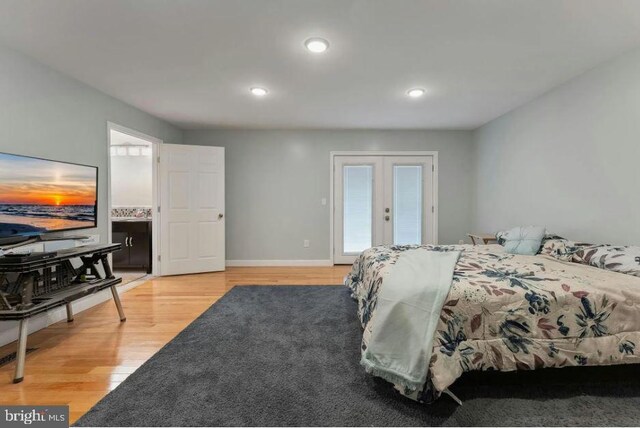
point(275, 181)
point(569, 160)
point(46, 114)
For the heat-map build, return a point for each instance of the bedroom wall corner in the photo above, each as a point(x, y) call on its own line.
point(47, 114)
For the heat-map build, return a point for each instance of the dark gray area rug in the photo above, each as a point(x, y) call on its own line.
point(289, 355)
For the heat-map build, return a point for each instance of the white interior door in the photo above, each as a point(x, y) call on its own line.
point(192, 222)
point(382, 200)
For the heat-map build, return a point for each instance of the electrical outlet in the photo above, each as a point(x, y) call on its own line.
point(306, 243)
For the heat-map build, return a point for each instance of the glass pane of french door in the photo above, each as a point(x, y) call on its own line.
point(358, 208)
point(407, 204)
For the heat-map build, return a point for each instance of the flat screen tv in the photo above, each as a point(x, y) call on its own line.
point(39, 196)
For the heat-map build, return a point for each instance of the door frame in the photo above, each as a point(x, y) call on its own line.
point(155, 197)
point(334, 154)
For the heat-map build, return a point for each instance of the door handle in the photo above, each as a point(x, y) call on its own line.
point(386, 218)
point(126, 241)
point(220, 216)
point(131, 241)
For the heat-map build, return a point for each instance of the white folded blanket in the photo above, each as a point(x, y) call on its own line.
point(406, 316)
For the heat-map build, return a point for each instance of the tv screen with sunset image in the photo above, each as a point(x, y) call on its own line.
point(39, 196)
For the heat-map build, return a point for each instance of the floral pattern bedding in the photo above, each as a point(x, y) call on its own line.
point(512, 312)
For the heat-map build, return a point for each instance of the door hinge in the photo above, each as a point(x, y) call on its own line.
point(433, 168)
point(159, 257)
point(433, 209)
point(158, 159)
point(158, 208)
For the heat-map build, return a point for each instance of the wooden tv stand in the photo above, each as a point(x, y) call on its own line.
point(41, 285)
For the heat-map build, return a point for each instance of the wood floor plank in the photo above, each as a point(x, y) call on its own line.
point(79, 363)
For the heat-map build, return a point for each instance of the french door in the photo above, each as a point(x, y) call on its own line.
point(382, 200)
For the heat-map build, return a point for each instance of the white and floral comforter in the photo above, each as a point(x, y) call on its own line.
point(511, 312)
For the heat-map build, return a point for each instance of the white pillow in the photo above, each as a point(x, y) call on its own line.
point(524, 240)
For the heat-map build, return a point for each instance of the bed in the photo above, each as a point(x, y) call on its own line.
point(512, 312)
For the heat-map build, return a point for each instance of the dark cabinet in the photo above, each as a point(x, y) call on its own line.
point(120, 258)
point(135, 237)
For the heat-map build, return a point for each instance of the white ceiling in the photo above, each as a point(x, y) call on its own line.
point(192, 62)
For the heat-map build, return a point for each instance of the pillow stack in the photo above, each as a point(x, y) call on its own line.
point(533, 240)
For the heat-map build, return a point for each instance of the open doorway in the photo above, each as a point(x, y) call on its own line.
point(133, 214)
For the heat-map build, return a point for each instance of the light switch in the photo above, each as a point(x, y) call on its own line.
point(306, 243)
point(323, 201)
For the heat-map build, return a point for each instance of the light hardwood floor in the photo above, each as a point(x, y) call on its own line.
point(79, 363)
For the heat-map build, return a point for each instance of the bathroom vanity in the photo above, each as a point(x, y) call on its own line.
point(135, 236)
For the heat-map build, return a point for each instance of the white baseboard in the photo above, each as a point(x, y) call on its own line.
point(232, 263)
point(9, 330)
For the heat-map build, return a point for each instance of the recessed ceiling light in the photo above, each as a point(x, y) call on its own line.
point(416, 92)
point(259, 92)
point(316, 44)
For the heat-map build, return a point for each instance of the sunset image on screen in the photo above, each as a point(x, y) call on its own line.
point(38, 196)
